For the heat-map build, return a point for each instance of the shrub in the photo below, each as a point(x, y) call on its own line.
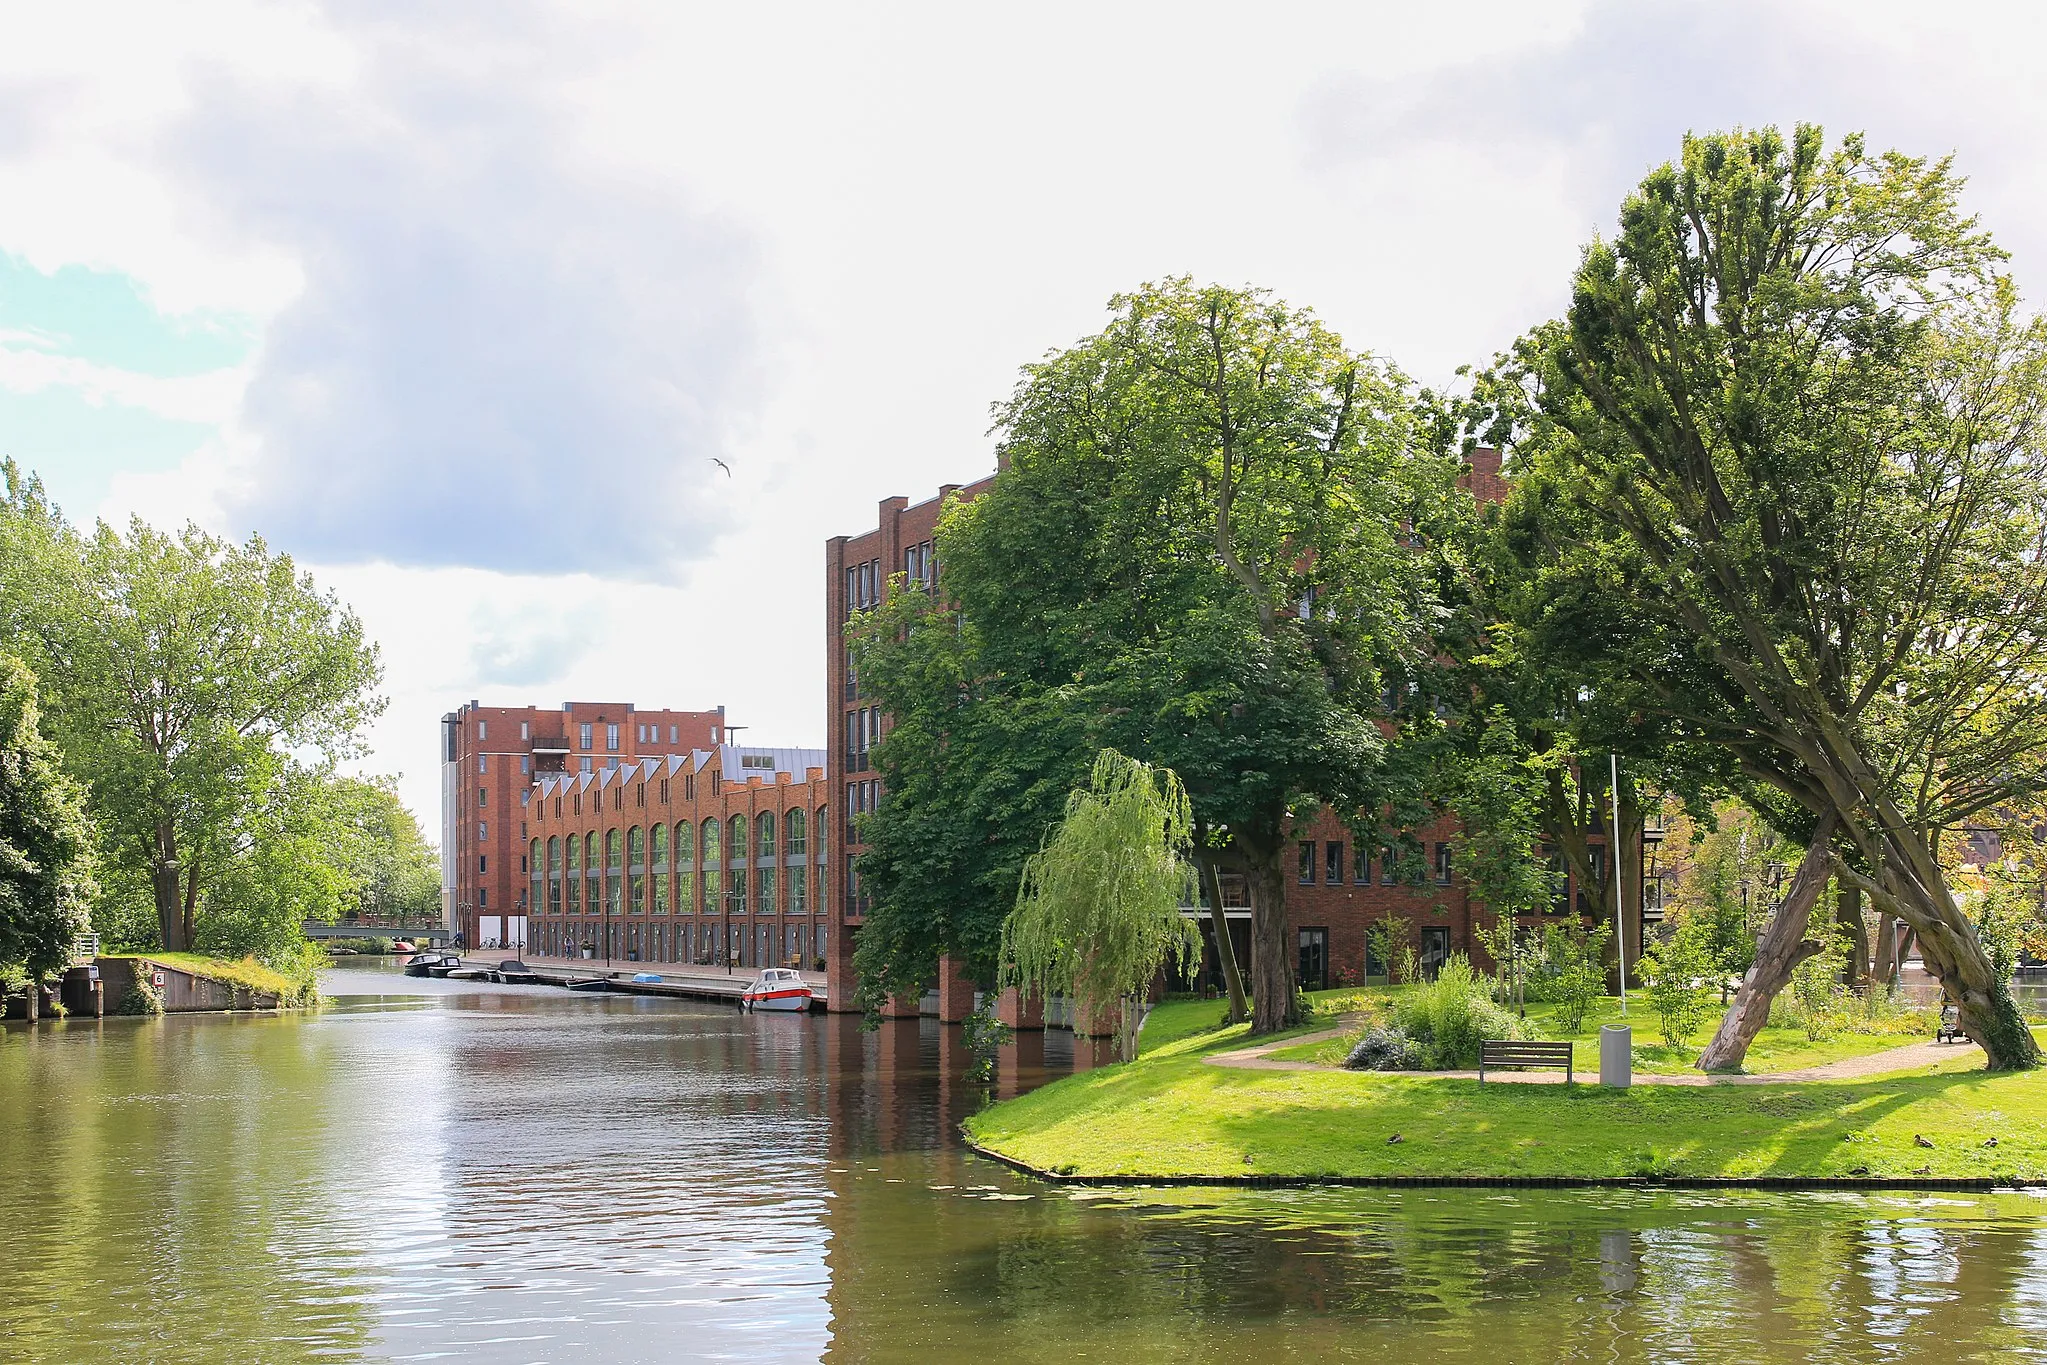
point(1572, 971)
point(1450, 1016)
point(1817, 994)
point(1387, 1049)
point(140, 997)
point(1676, 970)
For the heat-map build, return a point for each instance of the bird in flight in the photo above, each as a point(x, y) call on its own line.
point(722, 465)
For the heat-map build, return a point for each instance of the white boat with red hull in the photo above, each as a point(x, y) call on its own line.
point(777, 988)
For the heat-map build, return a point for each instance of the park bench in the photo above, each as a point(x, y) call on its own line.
point(1498, 1052)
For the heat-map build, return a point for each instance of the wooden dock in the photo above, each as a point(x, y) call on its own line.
point(678, 980)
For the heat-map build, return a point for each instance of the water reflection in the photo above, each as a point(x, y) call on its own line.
point(519, 1175)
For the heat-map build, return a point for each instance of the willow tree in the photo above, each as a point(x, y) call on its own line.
point(1098, 911)
point(1797, 409)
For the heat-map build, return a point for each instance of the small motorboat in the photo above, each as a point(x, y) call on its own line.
point(425, 964)
point(591, 983)
point(469, 974)
point(404, 945)
point(777, 988)
point(512, 971)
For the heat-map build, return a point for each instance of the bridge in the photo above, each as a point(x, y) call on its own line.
point(357, 928)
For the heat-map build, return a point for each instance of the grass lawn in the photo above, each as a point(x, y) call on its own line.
point(248, 972)
point(1775, 1048)
point(1169, 1114)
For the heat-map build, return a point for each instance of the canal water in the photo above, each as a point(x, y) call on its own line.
point(438, 1171)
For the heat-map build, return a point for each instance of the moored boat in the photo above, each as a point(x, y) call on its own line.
point(512, 971)
point(426, 963)
point(777, 988)
point(592, 983)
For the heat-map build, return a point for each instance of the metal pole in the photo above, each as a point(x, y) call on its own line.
point(1620, 929)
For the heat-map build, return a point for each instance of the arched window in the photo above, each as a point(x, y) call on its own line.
point(795, 846)
point(766, 900)
point(685, 868)
point(658, 836)
point(554, 874)
point(575, 875)
point(636, 870)
point(537, 900)
point(711, 855)
point(614, 848)
point(593, 873)
point(818, 859)
point(793, 828)
point(735, 874)
point(824, 822)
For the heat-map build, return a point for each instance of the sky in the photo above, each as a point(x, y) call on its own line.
point(456, 301)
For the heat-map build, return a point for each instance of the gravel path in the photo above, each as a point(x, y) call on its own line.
point(1911, 1057)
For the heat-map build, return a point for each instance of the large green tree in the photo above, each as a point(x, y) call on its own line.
point(1202, 544)
point(1798, 406)
point(186, 677)
point(45, 843)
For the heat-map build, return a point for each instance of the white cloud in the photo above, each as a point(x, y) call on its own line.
point(27, 365)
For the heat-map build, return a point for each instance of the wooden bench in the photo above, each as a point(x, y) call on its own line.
point(1507, 1052)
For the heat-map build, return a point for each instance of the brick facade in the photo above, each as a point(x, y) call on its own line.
point(490, 758)
point(715, 856)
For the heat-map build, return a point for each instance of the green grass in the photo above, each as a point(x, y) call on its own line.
point(247, 973)
point(1776, 1048)
point(1170, 1114)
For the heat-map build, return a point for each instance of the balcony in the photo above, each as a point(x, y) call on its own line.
point(550, 744)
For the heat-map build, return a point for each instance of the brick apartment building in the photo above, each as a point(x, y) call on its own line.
point(857, 572)
point(718, 855)
point(1342, 887)
point(490, 758)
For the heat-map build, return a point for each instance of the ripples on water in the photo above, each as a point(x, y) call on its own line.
point(434, 1171)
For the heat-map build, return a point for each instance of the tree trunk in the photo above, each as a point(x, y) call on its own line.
point(1955, 956)
point(1883, 970)
point(1275, 999)
point(1784, 946)
point(1848, 915)
point(191, 906)
point(1225, 950)
point(164, 887)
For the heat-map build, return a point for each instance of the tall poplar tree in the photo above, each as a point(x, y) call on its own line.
point(45, 843)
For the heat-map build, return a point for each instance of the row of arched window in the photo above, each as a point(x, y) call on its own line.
point(632, 871)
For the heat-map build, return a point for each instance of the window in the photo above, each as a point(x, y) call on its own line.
point(768, 901)
point(482, 728)
point(482, 796)
point(554, 875)
point(482, 830)
point(1361, 867)
point(1313, 969)
point(483, 763)
point(611, 766)
point(735, 847)
point(636, 870)
point(822, 820)
point(799, 883)
point(766, 761)
point(793, 833)
point(764, 835)
point(483, 862)
point(664, 791)
point(583, 764)
point(673, 734)
point(1332, 863)
point(575, 878)
point(1442, 864)
point(525, 730)
point(685, 868)
point(658, 836)
point(483, 898)
point(614, 850)
point(583, 733)
point(1308, 862)
point(611, 739)
point(526, 763)
point(639, 794)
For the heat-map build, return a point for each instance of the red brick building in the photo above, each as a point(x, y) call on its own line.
point(490, 758)
point(1341, 889)
point(719, 855)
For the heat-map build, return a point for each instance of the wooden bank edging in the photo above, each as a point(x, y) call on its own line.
point(1958, 1184)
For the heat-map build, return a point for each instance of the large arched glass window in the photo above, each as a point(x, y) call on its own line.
point(793, 842)
point(685, 868)
point(575, 875)
point(735, 872)
point(636, 870)
point(554, 874)
point(711, 852)
point(537, 899)
point(658, 836)
point(818, 859)
point(824, 823)
point(766, 900)
point(614, 852)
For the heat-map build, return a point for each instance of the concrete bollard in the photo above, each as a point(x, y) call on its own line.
point(1616, 1056)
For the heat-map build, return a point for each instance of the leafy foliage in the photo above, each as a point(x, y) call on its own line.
point(1677, 970)
point(45, 842)
point(1448, 1018)
point(1098, 911)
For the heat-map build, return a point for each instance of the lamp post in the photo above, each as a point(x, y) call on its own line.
point(1613, 801)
